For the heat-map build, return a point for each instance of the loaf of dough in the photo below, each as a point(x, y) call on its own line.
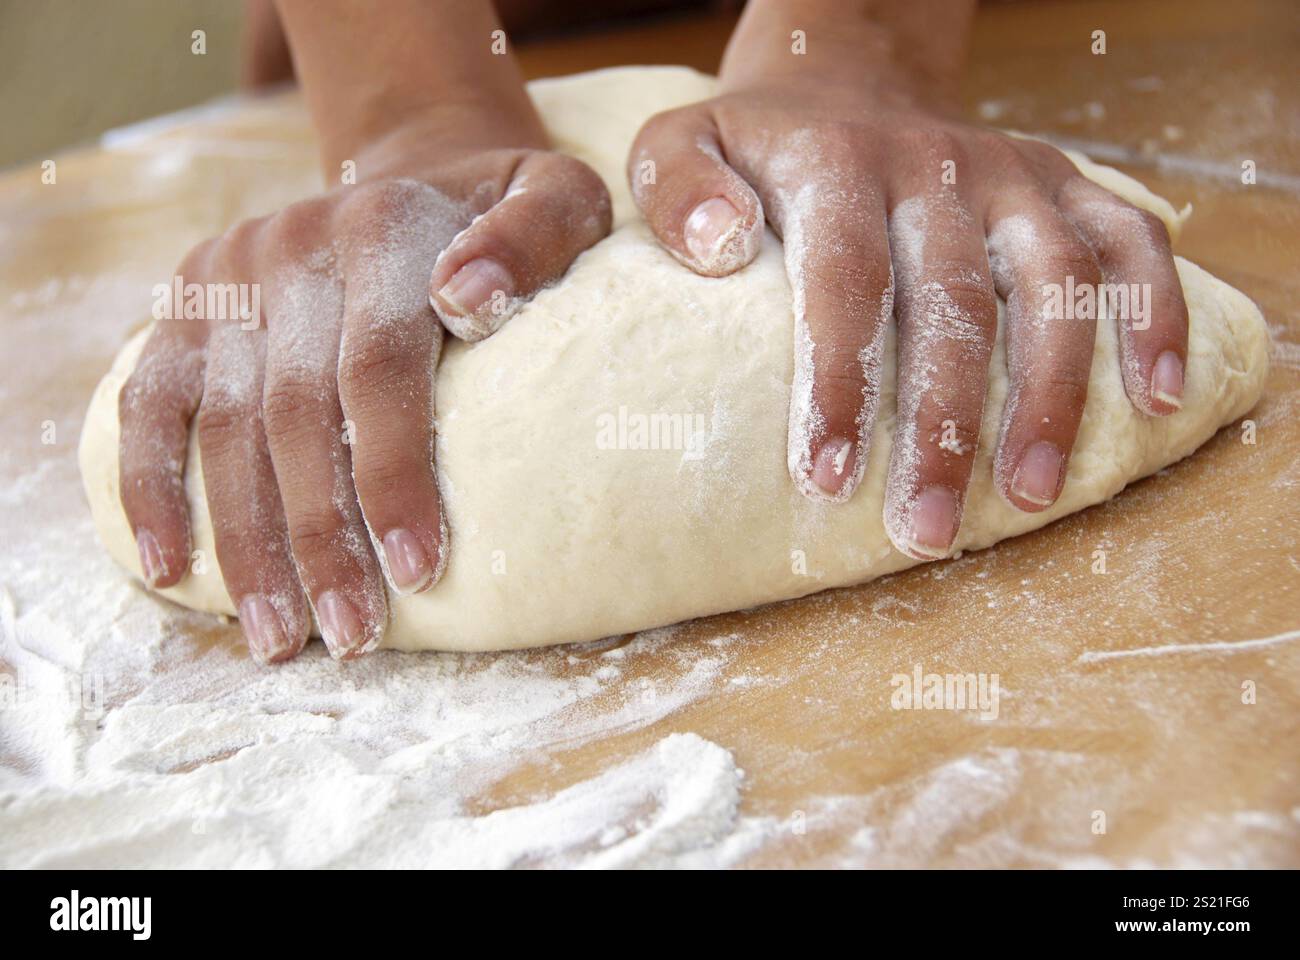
point(614, 458)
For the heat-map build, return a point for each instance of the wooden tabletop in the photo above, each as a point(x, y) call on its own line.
point(1149, 714)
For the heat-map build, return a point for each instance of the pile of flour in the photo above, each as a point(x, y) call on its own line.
point(137, 734)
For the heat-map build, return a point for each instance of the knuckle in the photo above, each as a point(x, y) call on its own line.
point(1004, 154)
point(1051, 161)
point(1152, 227)
point(573, 172)
point(860, 277)
point(839, 354)
point(1066, 255)
point(842, 142)
point(219, 420)
point(195, 262)
point(573, 194)
point(973, 301)
point(587, 191)
point(389, 199)
point(242, 235)
point(664, 124)
point(297, 228)
point(380, 366)
point(235, 248)
point(931, 141)
point(1077, 191)
point(1080, 264)
point(383, 478)
point(1063, 389)
point(843, 393)
point(315, 535)
point(287, 404)
point(1068, 388)
point(241, 549)
point(664, 162)
point(1127, 228)
point(222, 420)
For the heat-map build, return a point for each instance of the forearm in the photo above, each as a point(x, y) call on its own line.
point(368, 69)
point(913, 47)
point(264, 54)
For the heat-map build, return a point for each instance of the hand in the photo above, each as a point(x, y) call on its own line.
point(849, 169)
point(315, 418)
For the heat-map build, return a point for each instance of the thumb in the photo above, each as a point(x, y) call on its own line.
point(700, 209)
point(554, 208)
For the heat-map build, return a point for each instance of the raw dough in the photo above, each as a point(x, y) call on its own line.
point(557, 539)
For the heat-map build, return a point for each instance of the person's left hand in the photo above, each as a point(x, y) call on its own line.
point(854, 182)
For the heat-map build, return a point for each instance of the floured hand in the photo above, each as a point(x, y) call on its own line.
point(315, 416)
point(889, 208)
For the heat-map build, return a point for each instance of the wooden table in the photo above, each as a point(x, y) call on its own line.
point(1121, 694)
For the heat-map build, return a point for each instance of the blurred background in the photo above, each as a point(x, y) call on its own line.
point(71, 69)
point(1186, 82)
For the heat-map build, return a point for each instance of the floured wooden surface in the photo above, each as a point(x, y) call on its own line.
point(1119, 693)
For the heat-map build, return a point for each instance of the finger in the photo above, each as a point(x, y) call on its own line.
point(837, 256)
point(554, 208)
point(248, 524)
point(1047, 274)
point(306, 434)
point(155, 407)
point(699, 208)
point(947, 320)
point(1143, 292)
point(391, 342)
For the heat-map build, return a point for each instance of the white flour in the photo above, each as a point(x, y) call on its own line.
point(184, 753)
point(134, 733)
point(175, 750)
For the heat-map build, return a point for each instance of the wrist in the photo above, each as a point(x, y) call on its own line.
point(377, 73)
point(885, 51)
point(403, 139)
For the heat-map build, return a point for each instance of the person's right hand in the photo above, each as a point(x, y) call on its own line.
point(315, 420)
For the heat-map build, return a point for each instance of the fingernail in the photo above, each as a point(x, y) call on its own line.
point(408, 565)
point(473, 285)
point(934, 522)
point(1039, 474)
point(834, 465)
point(708, 226)
point(267, 639)
point(151, 558)
point(340, 627)
point(1167, 379)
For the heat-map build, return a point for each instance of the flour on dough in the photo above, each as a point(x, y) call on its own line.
point(556, 537)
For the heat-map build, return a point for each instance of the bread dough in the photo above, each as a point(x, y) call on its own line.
point(557, 538)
